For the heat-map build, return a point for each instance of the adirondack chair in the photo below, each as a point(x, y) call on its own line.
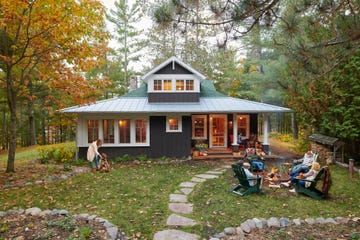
point(244, 188)
point(314, 190)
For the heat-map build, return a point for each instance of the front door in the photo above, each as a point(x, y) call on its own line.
point(218, 131)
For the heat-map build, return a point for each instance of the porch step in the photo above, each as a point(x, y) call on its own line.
point(219, 151)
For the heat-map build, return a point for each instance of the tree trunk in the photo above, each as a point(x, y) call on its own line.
point(43, 132)
point(294, 126)
point(31, 111)
point(12, 107)
point(4, 142)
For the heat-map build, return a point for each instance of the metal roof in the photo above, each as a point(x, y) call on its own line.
point(326, 140)
point(206, 105)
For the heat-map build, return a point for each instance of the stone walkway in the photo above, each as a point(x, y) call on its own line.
point(180, 207)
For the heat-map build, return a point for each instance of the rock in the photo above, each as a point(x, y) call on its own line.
point(33, 211)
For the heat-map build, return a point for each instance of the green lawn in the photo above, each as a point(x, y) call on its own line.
point(135, 198)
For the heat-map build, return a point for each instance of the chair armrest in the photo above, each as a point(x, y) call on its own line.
point(303, 179)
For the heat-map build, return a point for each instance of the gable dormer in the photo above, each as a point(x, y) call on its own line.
point(173, 81)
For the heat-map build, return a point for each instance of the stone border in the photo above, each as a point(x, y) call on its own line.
point(76, 171)
point(112, 230)
point(273, 222)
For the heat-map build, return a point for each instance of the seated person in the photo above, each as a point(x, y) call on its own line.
point(315, 168)
point(308, 159)
point(294, 172)
point(252, 141)
point(248, 174)
point(241, 141)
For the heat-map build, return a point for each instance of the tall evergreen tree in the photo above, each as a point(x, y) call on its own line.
point(131, 41)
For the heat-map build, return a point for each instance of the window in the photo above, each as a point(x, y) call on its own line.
point(108, 128)
point(173, 124)
point(124, 130)
point(167, 85)
point(140, 131)
point(199, 127)
point(157, 85)
point(243, 125)
point(179, 85)
point(93, 130)
point(189, 85)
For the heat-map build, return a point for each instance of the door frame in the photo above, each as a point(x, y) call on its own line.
point(225, 133)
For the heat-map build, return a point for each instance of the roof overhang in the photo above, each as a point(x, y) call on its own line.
point(172, 60)
point(206, 105)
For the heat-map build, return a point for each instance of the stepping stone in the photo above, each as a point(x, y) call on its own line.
point(187, 191)
point(214, 172)
point(198, 180)
point(207, 176)
point(178, 198)
point(175, 235)
point(187, 184)
point(184, 208)
point(176, 220)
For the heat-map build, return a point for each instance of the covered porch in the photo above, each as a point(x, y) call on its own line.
point(223, 134)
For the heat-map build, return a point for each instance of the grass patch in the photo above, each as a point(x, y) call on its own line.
point(217, 208)
point(133, 197)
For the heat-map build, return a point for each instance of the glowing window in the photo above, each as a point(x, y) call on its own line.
point(167, 85)
point(180, 85)
point(124, 130)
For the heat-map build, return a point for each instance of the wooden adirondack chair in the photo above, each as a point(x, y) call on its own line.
point(244, 188)
point(313, 191)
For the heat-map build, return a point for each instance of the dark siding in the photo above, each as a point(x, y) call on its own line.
point(170, 144)
point(173, 97)
point(161, 143)
point(168, 69)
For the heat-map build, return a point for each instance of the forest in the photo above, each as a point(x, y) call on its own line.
point(302, 54)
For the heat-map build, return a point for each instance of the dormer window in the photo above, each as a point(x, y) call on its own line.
point(167, 85)
point(157, 85)
point(189, 85)
point(180, 86)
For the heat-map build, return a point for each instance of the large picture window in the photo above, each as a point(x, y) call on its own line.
point(140, 131)
point(93, 130)
point(124, 130)
point(108, 128)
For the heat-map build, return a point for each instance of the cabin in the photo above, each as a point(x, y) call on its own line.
point(174, 109)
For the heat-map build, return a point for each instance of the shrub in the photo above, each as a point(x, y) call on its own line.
point(60, 153)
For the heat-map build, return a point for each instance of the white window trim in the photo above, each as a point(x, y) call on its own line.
point(179, 118)
point(204, 117)
point(173, 79)
point(116, 131)
point(247, 117)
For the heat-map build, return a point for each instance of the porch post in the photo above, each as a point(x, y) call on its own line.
point(235, 130)
point(266, 147)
